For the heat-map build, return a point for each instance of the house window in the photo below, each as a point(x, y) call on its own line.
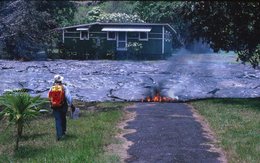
point(133, 35)
point(111, 36)
point(84, 35)
point(143, 36)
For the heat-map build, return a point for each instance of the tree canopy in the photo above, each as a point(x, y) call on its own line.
point(226, 25)
point(97, 14)
point(126, 7)
point(223, 25)
point(26, 26)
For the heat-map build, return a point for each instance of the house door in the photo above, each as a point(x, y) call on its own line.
point(121, 41)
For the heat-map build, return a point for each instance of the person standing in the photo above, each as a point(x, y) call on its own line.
point(60, 98)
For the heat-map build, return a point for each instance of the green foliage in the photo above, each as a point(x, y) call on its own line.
point(110, 54)
point(96, 14)
point(85, 141)
point(80, 16)
point(163, 12)
point(119, 18)
point(87, 14)
point(118, 7)
point(135, 47)
point(61, 12)
point(19, 108)
point(225, 25)
point(253, 57)
point(157, 11)
point(33, 30)
point(3, 54)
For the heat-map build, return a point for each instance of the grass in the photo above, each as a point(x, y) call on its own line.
point(236, 123)
point(85, 141)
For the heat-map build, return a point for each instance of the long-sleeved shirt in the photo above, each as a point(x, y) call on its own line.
point(68, 96)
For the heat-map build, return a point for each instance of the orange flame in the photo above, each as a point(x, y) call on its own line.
point(157, 98)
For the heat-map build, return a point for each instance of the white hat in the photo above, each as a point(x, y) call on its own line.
point(58, 78)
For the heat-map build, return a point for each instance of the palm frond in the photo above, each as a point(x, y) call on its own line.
point(20, 106)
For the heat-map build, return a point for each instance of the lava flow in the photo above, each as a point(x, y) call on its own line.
point(158, 98)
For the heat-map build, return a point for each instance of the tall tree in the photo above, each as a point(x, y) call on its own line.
point(226, 25)
point(27, 26)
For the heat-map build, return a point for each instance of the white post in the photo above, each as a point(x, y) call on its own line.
point(163, 40)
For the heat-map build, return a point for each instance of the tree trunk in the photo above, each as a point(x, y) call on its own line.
point(19, 134)
point(17, 142)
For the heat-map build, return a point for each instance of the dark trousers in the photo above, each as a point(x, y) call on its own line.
point(60, 120)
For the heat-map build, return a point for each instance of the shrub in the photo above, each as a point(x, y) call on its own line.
point(19, 108)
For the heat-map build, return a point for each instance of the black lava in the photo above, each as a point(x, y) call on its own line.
point(183, 77)
point(167, 132)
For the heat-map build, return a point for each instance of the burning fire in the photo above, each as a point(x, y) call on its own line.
point(158, 98)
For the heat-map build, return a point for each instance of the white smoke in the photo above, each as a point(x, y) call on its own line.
point(196, 70)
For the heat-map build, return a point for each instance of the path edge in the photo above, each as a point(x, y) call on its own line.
point(120, 149)
point(209, 134)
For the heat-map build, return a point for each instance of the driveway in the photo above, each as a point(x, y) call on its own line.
point(168, 132)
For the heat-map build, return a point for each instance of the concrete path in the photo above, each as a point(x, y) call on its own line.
point(167, 132)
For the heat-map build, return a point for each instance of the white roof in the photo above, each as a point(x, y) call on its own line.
point(126, 29)
point(82, 29)
point(124, 24)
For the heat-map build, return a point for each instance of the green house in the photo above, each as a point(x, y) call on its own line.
point(118, 40)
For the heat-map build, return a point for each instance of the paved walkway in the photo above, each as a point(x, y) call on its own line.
point(167, 132)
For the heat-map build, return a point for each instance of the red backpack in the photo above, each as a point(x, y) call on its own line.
point(57, 96)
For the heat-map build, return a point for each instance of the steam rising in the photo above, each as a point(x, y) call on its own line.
point(187, 75)
point(197, 72)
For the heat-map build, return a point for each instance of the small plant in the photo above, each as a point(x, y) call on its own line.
point(135, 48)
point(19, 108)
point(110, 54)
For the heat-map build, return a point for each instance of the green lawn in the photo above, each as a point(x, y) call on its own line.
point(236, 123)
point(85, 140)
